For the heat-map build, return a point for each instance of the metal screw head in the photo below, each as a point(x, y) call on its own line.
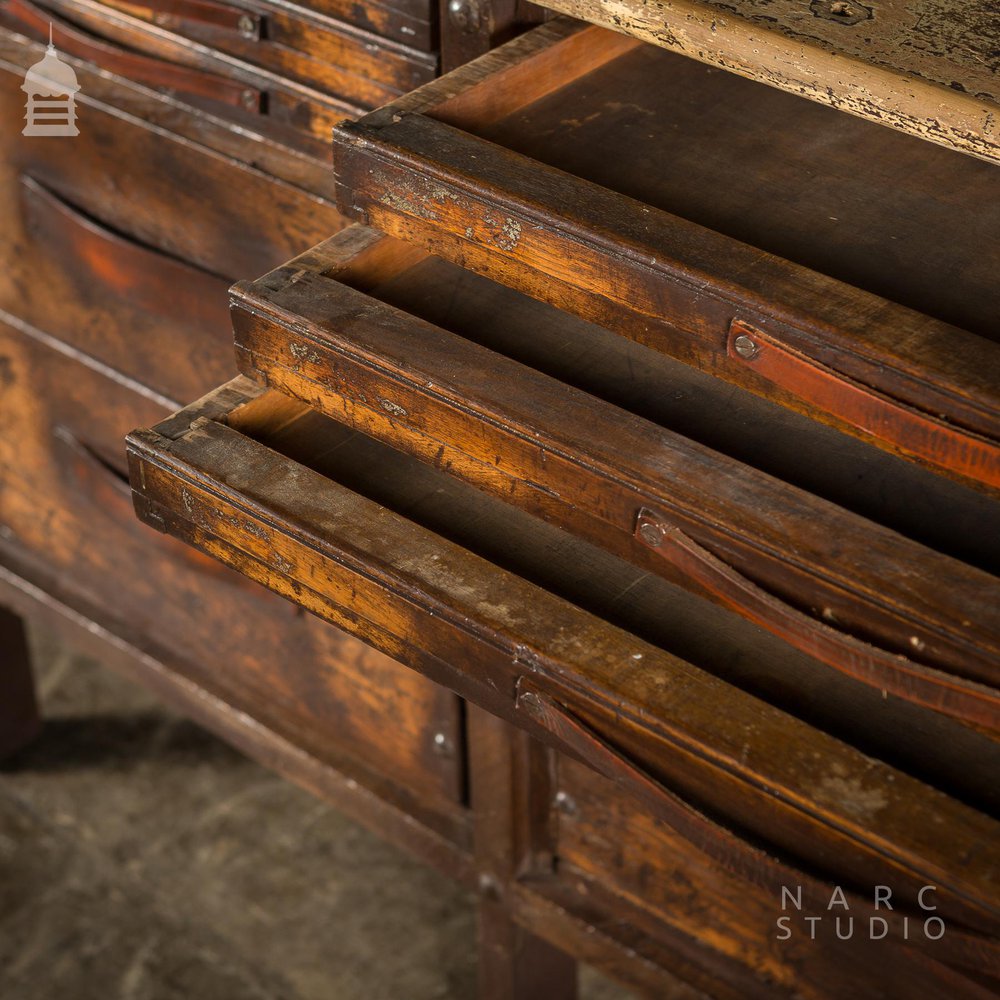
point(564, 803)
point(443, 746)
point(247, 26)
point(651, 534)
point(746, 347)
point(489, 886)
point(464, 14)
point(249, 99)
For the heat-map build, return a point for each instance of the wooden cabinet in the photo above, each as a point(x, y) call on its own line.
point(630, 470)
point(528, 623)
point(118, 247)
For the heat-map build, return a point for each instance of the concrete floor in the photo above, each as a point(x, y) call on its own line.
point(142, 859)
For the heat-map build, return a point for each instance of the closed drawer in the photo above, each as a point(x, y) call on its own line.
point(413, 22)
point(466, 589)
point(690, 479)
point(338, 58)
point(65, 509)
point(278, 109)
point(821, 268)
point(125, 248)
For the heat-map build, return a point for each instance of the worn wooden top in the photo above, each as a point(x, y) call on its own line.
point(930, 68)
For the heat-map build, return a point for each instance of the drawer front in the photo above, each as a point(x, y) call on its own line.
point(280, 110)
point(751, 938)
point(272, 488)
point(358, 66)
point(412, 22)
point(125, 248)
point(65, 504)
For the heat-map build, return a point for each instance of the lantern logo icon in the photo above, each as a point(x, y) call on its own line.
point(51, 88)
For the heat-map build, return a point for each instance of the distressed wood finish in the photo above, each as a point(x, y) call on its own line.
point(254, 730)
point(278, 108)
point(492, 168)
point(135, 273)
point(355, 65)
point(168, 116)
point(718, 527)
point(510, 800)
point(19, 718)
point(928, 69)
point(67, 517)
point(439, 607)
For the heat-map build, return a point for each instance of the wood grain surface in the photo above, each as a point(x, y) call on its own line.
point(929, 69)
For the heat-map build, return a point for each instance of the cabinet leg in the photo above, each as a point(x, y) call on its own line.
point(20, 721)
point(511, 801)
point(516, 965)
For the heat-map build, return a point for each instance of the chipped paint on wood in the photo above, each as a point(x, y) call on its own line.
point(930, 74)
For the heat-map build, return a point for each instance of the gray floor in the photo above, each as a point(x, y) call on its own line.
point(142, 859)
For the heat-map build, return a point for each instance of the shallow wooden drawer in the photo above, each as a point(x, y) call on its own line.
point(841, 269)
point(67, 524)
point(925, 71)
point(126, 248)
point(280, 110)
point(337, 58)
point(879, 573)
point(518, 617)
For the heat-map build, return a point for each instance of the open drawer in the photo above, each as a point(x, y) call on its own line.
point(526, 621)
point(841, 269)
point(696, 481)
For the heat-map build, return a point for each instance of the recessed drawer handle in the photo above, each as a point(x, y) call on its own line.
point(959, 947)
point(170, 13)
point(151, 278)
point(134, 65)
point(109, 489)
point(970, 701)
point(904, 428)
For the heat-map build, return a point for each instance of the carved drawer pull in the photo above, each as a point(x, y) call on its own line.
point(171, 13)
point(134, 65)
point(958, 947)
point(907, 430)
point(964, 699)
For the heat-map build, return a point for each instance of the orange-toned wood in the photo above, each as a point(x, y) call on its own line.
point(877, 612)
point(670, 241)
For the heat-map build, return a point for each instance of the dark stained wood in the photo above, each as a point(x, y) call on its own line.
point(560, 454)
point(67, 509)
point(429, 601)
point(469, 28)
point(280, 109)
point(358, 66)
point(614, 844)
point(412, 22)
point(429, 169)
point(508, 774)
point(366, 798)
point(926, 69)
point(20, 721)
point(142, 69)
point(134, 273)
point(124, 99)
